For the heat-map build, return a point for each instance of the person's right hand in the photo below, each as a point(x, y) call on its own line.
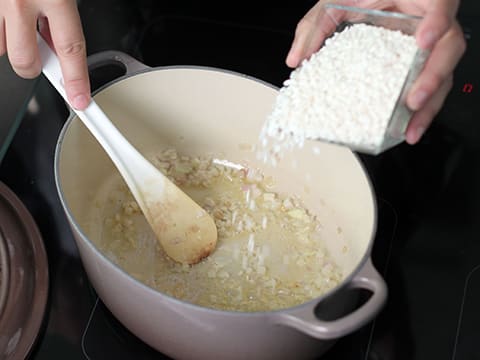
point(439, 32)
point(59, 23)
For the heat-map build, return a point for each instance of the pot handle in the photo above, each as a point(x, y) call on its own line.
point(305, 320)
point(112, 57)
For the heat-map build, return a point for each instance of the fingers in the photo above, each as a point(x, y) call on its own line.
point(309, 25)
point(440, 65)
point(69, 43)
point(312, 30)
point(319, 23)
point(21, 41)
point(432, 86)
point(18, 37)
point(439, 16)
point(422, 119)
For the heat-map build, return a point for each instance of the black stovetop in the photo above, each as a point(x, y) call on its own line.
point(428, 241)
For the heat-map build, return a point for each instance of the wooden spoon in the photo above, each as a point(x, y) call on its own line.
point(186, 232)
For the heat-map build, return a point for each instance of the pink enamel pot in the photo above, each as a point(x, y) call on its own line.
point(203, 111)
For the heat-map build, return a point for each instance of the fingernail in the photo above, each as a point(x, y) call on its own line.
point(290, 60)
point(428, 39)
point(80, 102)
point(419, 133)
point(419, 99)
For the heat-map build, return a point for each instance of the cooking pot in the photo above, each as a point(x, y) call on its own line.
point(199, 111)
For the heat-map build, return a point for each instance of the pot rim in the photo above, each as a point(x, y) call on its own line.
point(313, 302)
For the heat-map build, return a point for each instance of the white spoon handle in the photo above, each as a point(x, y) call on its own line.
point(117, 147)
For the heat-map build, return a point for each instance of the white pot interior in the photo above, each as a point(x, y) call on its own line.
point(205, 111)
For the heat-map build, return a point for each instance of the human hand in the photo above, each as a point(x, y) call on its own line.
point(59, 23)
point(438, 32)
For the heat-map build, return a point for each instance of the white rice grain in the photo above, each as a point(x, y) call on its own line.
point(344, 93)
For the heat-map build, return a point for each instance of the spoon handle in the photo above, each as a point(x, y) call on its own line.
point(117, 147)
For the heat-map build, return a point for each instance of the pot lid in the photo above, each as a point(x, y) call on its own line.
point(23, 278)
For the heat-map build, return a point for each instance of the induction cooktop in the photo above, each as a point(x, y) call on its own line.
point(427, 245)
